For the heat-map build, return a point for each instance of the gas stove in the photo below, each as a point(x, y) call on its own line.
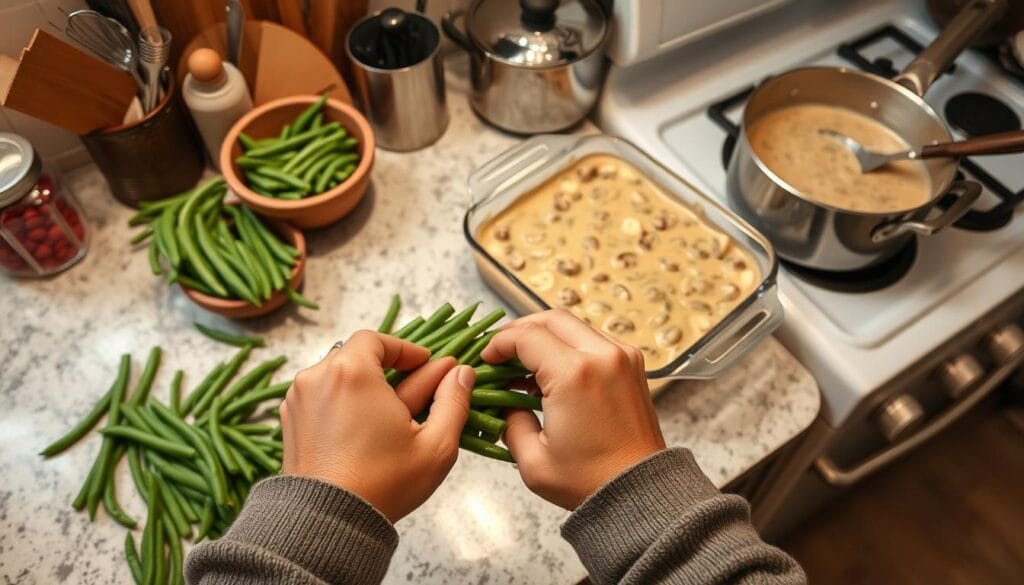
point(856, 332)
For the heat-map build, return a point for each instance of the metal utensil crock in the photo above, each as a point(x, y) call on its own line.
point(816, 235)
point(536, 65)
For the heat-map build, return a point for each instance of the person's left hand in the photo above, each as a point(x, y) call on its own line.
point(342, 422)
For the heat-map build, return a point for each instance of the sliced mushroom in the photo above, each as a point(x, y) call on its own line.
point(699, 307)
point(533, 237)
point(700, 249)
point(542, 281)
point(647, 240)
point(608, 171)
point(669, 336)
point(664, 219)
point(668, 265)
point(700, 322)
point(515, 261)
point(586, 173)
point(568, 266)
point(640, 201)
point(553, 217)
point(597, 193)
point(600, 277)
point(570, 186)
point(502, 233)
point(658, 319)
point(601, 217)
point(619, 325)
point(591, 243)
point(679, 242)
point(620, 291)
point(720, 244)
point(729, 292)
point(653, 294)
point(625, 260)
point(697, 285)
point(598, 308)
point(542, 252)
point(567, 297)
point(630, 226)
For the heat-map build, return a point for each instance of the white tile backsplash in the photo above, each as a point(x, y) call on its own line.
point(18, 20)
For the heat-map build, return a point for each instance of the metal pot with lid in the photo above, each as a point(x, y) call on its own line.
point(536, 65)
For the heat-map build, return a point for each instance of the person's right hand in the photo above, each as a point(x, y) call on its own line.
point(598, 415)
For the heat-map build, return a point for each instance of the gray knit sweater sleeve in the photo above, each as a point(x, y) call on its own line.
point(297, 530)
point(663, 521)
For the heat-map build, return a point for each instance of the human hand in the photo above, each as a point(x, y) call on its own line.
point(342, 423)
point(598, 415)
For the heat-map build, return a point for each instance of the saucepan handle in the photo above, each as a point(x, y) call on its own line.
point(967, 192)
point(451, 29)
point(973, 19)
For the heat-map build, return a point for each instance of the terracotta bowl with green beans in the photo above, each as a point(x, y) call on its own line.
point(241, 309)
point(302, 159)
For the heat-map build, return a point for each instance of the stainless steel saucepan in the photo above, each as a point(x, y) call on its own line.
point(817, 235)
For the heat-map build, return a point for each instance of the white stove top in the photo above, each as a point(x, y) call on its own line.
point(852, 342)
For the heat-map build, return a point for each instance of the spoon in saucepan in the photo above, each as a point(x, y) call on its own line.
point(1002, 143)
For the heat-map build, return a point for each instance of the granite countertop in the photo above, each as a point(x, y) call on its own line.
point(62, 336)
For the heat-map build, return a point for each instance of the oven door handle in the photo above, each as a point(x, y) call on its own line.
point(839, 477)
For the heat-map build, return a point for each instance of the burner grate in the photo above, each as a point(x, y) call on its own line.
point(975, 220)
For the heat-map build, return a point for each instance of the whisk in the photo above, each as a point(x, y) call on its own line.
point(108, 40)
point(154, 51)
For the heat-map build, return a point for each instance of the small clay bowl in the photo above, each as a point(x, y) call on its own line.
point(238, 309)
point(313, 211)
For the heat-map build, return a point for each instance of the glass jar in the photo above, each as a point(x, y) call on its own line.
point(41, 227)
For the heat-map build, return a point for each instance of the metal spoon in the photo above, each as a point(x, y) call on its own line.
point(1002, 143)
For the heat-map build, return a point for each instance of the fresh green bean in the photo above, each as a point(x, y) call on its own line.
point(479, 446)
point(252, 376)
point(149, 535)
point(255, 397)
point(174, 512)
point(231, 278)
point(254, 428)
point(159, 205)
point(110, 494)
point(176, 390)
point(228, 338)
point(312, 148)
point(84, 426)
point(132, 556)
point(104, 459)
point(248, 143)
point(303, 121)
point(489, 437)
point(206, 521)
point(165, 232)
point(215, 388)
point(200, 390)
point(325, 149)
point(484, 422)
point(328, 172)
point(389, 318)
point(217, 438)
point(256, 268)
point(148, 440)
point(504, 399)
point(457, 344)
point(248, 471)
point(178, 473)
point(138, 472)
point(248, 163)
point(488, 373)
point(250, 237)
point(275, 246)
point(216, 480)
point(187, 507)
point(317, 162)
point(433, 322)
point(345, 173)
point(283, 176)
point(146, 380)
point(160, 571)
point(300, 300)
point(408, 328)
point(195, 285)
point(471, 353)
point(154, 261)
point(252, 450)
point(83, 492)
point(451, 326)
point(174, 563)
point(290, 195)
point(263, 184)
point(286, 132)
point(318, 120)
point(293, 141)
point(189, 250)
point(142, 236)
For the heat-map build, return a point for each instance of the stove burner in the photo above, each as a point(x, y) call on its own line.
point(977, 114)
point(868, 279)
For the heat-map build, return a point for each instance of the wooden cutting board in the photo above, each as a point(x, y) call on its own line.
point(59, 84)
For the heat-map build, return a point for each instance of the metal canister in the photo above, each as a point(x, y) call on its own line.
point(400, 78)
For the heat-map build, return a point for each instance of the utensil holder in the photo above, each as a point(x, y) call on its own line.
point(154, 157)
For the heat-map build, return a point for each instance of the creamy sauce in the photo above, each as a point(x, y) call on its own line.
point(789, 143)
point(602, 241)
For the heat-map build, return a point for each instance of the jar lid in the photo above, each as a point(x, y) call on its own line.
point(19, 168)
point(537, 33)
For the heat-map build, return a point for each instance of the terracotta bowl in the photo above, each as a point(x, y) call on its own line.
point(236, 309)
point(266, 121)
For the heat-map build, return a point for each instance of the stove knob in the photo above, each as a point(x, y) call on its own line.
point(1005, 342)
point(959, 374)
point(898, 417)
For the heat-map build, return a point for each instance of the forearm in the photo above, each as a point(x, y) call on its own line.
point(663, 521)
point(297, 530)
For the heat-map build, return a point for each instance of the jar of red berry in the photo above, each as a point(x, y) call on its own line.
point(41, 228)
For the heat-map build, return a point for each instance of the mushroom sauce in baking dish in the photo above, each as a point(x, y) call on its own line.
point(602, 241)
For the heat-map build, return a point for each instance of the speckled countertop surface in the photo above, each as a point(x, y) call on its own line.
point(61, 339)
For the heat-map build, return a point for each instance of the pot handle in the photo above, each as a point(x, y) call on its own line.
point(967, 193)
point(452, 31)
point(973, 19)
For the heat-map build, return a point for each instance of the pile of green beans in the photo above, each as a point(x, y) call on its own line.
point(307, 158)
point(447, 333)
point(220, 250)
point(192, 460)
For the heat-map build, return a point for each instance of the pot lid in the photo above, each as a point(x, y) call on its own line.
point(537, 33)
point(19, 168)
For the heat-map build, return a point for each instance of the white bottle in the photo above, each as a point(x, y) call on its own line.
point(216, 94)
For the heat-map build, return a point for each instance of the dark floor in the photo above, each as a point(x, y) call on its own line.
point(950, 513)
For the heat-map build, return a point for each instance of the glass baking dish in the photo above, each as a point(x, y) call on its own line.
point(499, 182)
